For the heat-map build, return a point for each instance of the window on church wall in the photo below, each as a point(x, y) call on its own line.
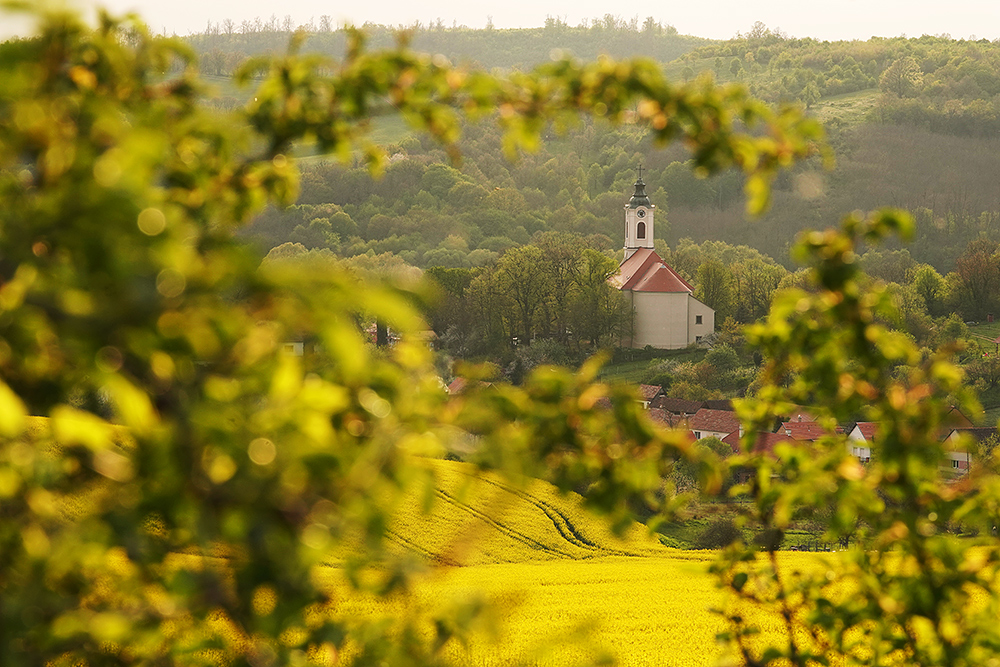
point(640, 230)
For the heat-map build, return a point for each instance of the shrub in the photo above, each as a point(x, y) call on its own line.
point(719, 534)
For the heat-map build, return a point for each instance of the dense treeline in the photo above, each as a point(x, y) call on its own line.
point(934, 82)
point(921, 138)
point(473, 225)
point(555, 289)
point(223, 46)
point(544, 302)
point(938, 83)
point(435, 213)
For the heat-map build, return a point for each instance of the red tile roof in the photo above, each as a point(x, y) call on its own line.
point(977, 433)
point(719, 421)
point(867, 430)
point(645, 271)
point(805, 430)
point(764, 445)
point(955, 419)
point(649, 391)
point(457, 385)
point(664, 418)
point(801, 415)
point(678, 405)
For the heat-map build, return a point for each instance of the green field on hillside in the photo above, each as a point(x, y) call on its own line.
point(632, 372)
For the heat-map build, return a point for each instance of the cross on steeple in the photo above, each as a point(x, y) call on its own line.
point(640, 172)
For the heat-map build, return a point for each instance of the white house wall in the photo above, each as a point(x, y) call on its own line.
point(713, 434)
point(858, 445)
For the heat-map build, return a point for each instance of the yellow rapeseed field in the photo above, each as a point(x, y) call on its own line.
point(565, 589)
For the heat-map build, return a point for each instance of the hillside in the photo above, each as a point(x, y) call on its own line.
point(223, 46)
point(479, 519)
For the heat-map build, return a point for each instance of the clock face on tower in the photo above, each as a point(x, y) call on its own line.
point(641, 213)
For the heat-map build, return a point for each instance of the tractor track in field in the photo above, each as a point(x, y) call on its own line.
point(407, 543)
point(507, 530)
point(562, 523)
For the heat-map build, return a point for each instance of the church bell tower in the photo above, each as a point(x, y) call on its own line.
point(638, 219)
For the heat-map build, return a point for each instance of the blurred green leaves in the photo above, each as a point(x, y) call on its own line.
point(919, 581)
point(186, 489)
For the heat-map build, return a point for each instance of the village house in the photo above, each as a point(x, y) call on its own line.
point(707, 423)
point(860, 440)
point(649, 393)
point(665, 313)
point(958, 445)
point(764, 444)
point(678, 406)
point(805, 431)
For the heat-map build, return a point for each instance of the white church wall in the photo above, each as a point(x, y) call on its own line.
point(661, 319)
point(701, 320)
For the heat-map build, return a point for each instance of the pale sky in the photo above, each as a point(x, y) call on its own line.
point(722, 19)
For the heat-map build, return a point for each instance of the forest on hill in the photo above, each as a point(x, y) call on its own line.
point(223, 45)
point(912, 123)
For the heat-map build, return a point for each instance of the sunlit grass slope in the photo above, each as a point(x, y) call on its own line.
point(473, 518)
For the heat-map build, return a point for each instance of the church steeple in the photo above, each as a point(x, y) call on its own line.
point(638, 219)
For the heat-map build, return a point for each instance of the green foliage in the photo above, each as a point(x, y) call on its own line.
point(907, 587)
point(902, 78)
point(221, 49)
point(715, 288)
point(723, 358)
point(555, 290)
point(181, 501)
point(719, 534)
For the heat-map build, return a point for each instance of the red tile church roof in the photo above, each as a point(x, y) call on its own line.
point(644, 271)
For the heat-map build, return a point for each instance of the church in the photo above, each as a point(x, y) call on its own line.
point(665, 313)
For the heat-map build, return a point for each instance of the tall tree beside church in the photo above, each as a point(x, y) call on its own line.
point(715, 287)
point(756, 281)
point(521, 274)
point(493, 322)
point(561, 254)
point(600, 314)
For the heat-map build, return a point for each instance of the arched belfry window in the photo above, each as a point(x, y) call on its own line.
point(640, 230)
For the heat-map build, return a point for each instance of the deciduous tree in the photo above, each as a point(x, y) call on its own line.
point(902, 78)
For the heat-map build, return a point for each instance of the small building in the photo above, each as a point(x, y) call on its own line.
point(764, 444)
point(805, 431)
point(860, 440)
point(665, 314)
point(678, 406)
point(957, 454)
point(708, 423)
point(648, 393)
